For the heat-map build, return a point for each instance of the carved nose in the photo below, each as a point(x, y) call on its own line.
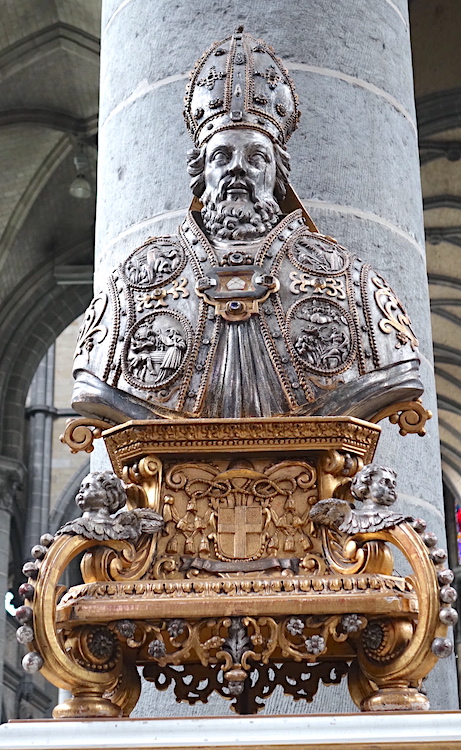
point(237, 168)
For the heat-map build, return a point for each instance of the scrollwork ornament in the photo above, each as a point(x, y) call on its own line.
point(411, 416)
point(193, 684)
point(73, 659)
point(92, 332)
point(330, 287)
point(395, 317)
point(80, 433)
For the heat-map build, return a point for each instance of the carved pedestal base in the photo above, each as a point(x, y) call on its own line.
point(241, 563)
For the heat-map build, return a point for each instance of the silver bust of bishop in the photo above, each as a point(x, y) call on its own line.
point(248, 311)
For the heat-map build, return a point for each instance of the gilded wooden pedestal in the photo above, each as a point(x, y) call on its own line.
point(242, 574)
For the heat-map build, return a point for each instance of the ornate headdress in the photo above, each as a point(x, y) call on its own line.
point(240, 82)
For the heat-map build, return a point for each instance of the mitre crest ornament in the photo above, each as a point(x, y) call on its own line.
point(240, 83)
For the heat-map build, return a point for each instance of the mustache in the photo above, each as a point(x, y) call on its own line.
point(231, 181)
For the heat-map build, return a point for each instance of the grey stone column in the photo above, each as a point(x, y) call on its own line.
point(40, 413)
point(11, 478)
point(355, 165)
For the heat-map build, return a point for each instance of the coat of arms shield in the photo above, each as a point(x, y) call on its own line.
point(239, 531)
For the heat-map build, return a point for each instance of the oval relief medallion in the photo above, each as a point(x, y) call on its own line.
point(318, 256)
point(156, 263)
point(156, 350)
point(322, 336)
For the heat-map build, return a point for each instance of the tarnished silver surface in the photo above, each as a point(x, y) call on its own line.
point(246, 311)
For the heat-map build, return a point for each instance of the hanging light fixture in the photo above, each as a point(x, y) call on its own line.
point(80, 187)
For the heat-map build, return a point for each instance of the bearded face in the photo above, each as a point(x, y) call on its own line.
point(240, 177)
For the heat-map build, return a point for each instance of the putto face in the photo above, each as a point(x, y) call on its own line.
point(91, 495)
point(239, 166)
point(382, 487)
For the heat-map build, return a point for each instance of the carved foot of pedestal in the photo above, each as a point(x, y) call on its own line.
point(87, 706)
point(396, 698)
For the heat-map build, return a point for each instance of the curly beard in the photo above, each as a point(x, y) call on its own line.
point(240, 220)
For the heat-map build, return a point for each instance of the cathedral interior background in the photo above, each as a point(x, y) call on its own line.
point(49, 78)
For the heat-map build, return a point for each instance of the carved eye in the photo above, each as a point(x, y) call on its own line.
point(259, 159)
point(220, 157)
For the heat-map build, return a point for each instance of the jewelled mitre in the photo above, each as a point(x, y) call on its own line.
point(239, 82)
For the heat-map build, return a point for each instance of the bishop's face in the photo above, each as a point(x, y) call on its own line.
point(239, 167)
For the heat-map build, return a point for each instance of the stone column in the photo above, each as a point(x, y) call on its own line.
point(41, 413)
point(11, 477)
point(355, 165)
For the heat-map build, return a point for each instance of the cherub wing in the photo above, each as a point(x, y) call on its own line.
point(149, 520)
point(362, 521)
point(331, 512)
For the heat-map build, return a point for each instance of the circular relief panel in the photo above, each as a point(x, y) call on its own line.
point(154, 264)
point(156, 350)
point(321, 335)
point(317, 255)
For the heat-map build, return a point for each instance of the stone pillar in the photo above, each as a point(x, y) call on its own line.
point(40, 412)
point(11, 477)
point(355, 165)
